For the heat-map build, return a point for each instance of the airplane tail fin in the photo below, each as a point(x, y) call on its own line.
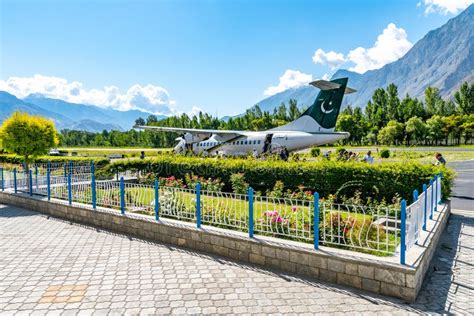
point(322, 115)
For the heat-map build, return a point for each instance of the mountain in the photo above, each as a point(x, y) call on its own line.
point(443, 58)
point(305, 96)
point(68, 115)
point(93, 126)
point(10, 103)
point(120, 120)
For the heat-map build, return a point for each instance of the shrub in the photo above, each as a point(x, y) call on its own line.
point(14, 159)
point(238, 183)
point(315, 152)
point(384, 153)
point(378, 181)
point(339, 150)
point(278, 190)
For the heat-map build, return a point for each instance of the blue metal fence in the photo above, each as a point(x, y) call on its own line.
point(316, 221)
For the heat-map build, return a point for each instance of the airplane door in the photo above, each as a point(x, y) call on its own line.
point(267, 143)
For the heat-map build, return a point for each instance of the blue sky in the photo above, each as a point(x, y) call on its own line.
point(219, 56)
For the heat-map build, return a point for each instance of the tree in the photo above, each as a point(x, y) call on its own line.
point(434, 103)
point(393, 103)
point(467, 128)
point(28, 135)
point(140, 121)
point(435, 126)
point(465, 98)
point(415, 129)
point(391, 134)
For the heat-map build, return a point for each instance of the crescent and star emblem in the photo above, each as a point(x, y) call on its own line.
point(323, 108)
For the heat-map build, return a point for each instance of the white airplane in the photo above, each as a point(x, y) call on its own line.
point(313, 128)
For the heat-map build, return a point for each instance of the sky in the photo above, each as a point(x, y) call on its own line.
point(222, 57)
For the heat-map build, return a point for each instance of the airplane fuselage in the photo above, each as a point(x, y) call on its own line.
point(265, 141)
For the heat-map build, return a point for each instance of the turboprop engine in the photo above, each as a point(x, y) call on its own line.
point(185, 141)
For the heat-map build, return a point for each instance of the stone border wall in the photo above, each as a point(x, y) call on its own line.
point(378, 275)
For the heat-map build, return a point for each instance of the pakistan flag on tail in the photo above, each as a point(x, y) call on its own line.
point(322, 115)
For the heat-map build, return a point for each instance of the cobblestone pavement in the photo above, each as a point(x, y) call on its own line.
point(50, 266)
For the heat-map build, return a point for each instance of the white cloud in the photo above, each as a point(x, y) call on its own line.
point(326, 77)
point(331, 58)
point(290, 79)
point(445, 6)
point(148, 98)
point(390, 45)
point(195, 111)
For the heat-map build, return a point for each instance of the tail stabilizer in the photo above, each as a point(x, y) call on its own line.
point(322, 115)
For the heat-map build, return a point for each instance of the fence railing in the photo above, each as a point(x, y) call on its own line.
point(418, 213)
point(379, 230)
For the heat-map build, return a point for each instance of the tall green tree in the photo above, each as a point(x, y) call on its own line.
point(464, 98)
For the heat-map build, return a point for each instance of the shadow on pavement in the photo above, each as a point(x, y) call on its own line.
point(446, 289)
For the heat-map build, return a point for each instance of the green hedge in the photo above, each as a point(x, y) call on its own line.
point(383, 181)
point(9, 158)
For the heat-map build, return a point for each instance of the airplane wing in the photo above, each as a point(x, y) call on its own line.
point(195, 131)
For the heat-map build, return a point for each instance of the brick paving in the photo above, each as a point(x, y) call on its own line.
point(50, 266)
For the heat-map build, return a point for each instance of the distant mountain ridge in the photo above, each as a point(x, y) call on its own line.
point(68, 115)
point(443, 58)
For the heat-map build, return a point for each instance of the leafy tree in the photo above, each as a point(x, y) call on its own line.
point(293, 111)
point(467, 128)
point(28, 135)
point(465, 98)
point(151, 120)
point(435, 126)
point(393, 103)
point(411, 107)
point(415, 129)
point(140, 121)
point(391, 134)
point(435, 105)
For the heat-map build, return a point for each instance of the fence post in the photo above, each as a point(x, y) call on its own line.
point(70, 166)
point(30, 181)
point(157, 200)
point(14, 180)
point(316, 220)
point(436, 194)
point(403, 231)
point(440, 177)
point(93, 187)
point(122, 196)
point(36, 177)
point(198, 205)
point(250, 195)
point(69, 189)
point(65, 170)
point(48, 181)
point(425, 206)
point(415, 198)
point(3, 182)
point(432, 199)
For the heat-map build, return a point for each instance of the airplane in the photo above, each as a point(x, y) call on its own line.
point(314, 127)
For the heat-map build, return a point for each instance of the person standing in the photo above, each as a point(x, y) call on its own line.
point(255, 153)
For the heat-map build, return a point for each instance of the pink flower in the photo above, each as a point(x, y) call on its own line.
point(271, 213)
point(278, 219)
point(294, 209)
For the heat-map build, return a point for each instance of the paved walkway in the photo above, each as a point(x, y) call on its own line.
point(50, 266)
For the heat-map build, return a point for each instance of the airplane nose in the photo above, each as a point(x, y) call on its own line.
point(346, 135)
